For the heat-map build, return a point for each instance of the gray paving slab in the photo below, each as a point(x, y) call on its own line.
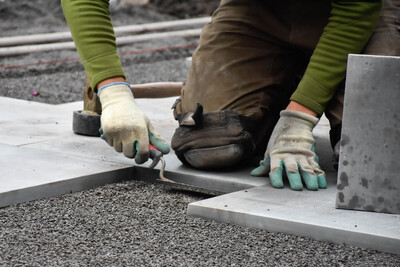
point(305, 213)
point(25, 122)
point(29, 174)
point(45, 133)
point(39, 152)
point(370, 147)
point(40, 156)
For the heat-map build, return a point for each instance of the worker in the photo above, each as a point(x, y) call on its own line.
point(263, 74)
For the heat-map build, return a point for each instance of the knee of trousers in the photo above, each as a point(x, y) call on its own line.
point(213, 140)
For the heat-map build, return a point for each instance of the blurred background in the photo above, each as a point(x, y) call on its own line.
point(58, 76)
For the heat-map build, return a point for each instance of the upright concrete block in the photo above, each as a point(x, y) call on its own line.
point(369, 165)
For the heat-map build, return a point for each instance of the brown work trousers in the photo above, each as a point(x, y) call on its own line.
point(253, 54)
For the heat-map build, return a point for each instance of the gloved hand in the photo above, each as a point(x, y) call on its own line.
point(291, 146)
point(124, 126)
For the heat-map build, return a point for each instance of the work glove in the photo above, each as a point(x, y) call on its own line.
point(292, 146)
point(124, 126)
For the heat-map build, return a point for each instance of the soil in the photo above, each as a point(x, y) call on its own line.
point(63, 81)
point(185, 8)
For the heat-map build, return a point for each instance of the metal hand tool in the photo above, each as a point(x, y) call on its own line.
point(157, 156)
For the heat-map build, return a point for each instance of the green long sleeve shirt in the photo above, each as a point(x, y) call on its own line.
point(348, 30)
point(93, 34)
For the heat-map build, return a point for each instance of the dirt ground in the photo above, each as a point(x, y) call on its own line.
point(185, 8)
point(37, 16)
point(62, 80)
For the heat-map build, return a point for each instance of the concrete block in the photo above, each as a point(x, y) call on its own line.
point(27, 174)
point(305, 213)
point(368, 177)
point(24, 122)
point(40, 156)
point(45, 152)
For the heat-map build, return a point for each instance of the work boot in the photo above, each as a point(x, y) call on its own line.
point(215, 157)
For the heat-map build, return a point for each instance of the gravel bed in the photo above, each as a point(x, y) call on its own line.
point(140, 224)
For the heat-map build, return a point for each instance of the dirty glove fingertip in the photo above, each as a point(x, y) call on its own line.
point(295, 181)
point(276, 178)
point(311, 181)
point(322, 181)
point(159, 144)
point(140, 157)
point(261, 170)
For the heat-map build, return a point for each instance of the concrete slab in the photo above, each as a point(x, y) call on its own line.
point(24, 122)
point(305, 213)
point(46, 131)
point(40, 152)
point(28, 174)
point(370, 147)
point(40, 156)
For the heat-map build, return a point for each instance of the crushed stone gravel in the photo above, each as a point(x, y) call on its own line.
point(135, 223)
